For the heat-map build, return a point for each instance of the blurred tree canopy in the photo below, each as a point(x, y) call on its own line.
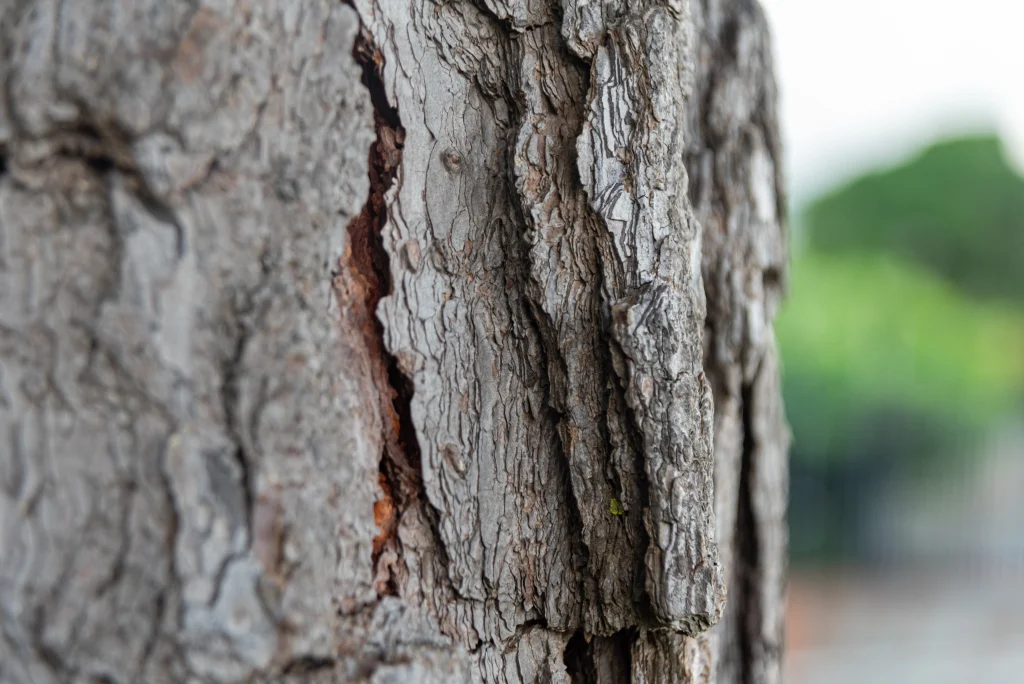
point(903, 336)
point(958, 208)
point(867, 331)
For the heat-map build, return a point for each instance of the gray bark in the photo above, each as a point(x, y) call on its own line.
point(383, 342)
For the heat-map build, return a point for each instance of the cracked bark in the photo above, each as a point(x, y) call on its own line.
point(384, 342)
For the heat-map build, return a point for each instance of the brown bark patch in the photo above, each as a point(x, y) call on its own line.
point(363, 278)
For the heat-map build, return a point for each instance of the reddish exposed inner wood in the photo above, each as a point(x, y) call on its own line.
point(362, 280)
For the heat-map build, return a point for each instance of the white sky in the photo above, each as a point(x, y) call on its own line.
point(868, 82)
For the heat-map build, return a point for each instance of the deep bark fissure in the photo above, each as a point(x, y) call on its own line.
point(644, 606)
point(575, 111)
point(747, 546)
point(541, 320)
point(579, 660)
point(366, 258)
point(229, 398)
point(621, 662)
point(580, 550)
point(616, 392)
point(600, 660)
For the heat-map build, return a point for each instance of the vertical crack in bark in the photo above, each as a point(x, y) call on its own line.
point(364, 279)
point(547, 196)
point(523, 185)
point(600, 660)
point(620, 656)
point(748, 552)
point(579, 660)
point(229, 399)
point(548, 347)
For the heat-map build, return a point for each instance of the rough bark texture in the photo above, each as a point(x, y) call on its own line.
point(389, 342)
point(733, 157)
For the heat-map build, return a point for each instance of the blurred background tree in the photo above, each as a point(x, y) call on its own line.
point(903, 335)
point(957, 209)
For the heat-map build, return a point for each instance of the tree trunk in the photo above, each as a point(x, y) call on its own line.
point(389, 342)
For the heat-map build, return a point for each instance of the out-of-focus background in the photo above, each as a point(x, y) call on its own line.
point(903, 338)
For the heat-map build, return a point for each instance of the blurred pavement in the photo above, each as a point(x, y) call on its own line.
point(888, 629)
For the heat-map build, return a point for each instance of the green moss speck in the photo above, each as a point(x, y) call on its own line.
point(616, 507)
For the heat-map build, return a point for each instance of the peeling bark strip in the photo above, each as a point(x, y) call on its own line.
point(298, 390)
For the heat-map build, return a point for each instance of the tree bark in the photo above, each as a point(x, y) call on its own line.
point(383, 342)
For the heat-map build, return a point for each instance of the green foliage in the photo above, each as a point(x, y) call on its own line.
point(957, 209)
point(903, 337)
point(862, 334)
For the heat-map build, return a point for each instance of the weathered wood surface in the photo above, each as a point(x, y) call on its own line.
point(389, 342)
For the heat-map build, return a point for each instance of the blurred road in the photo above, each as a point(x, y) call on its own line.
point(906, 629)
